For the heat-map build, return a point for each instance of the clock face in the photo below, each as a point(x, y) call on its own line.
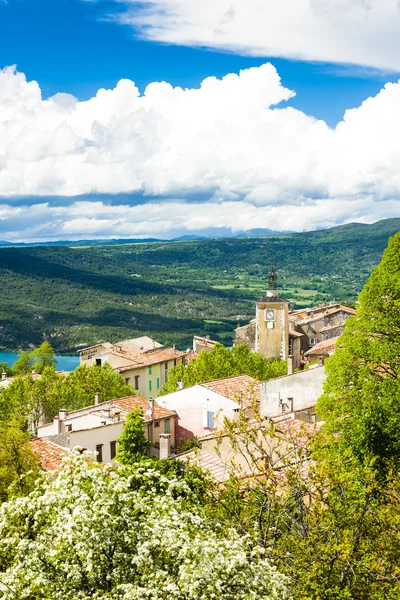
point(270, 314)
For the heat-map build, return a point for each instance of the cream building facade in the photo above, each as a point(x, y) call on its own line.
point(97, 428)
point(143, 362)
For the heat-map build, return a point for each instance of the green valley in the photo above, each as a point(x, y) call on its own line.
point(76, 296)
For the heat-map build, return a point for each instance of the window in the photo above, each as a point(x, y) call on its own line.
point(158, 382)
point(150, 370)
point(313, 341)
point(113, 449)
point(167, 426)
point(98, 362)
point(99, 450)
point(210, 418)
point(166, 366)
point(69, 427)
point(127, 379)
point(174, 362)
point(137, 382)
point(156, 423)
point(150, 382)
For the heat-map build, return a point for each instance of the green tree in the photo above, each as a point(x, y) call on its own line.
point(43, 357)
point(38, 359)
point(133, 444)
point(5, 368)
point(331, 526)
point(222, 362)
point(124, 534)
point(23, 364)
point(18, 464)
point(360, 400)
point(42, 398)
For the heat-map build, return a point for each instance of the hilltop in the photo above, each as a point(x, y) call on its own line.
point(78, 295)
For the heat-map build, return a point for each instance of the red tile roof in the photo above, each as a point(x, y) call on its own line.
point(152, 358)
point(50, 454)
point(240, 388)
point(129, 403)
point(323, 348)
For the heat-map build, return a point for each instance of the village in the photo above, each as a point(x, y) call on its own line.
point(303, 339)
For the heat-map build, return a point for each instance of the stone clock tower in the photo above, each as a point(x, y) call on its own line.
point(272, 322)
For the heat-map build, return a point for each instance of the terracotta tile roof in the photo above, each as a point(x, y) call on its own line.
point(128, 404)
point(238, 388)
point(323, 348)
point(295, 334)
point(213, 464)
point(131, 402)
point(332, 327)
point(50, 454)
point(328, 312)
point(152, 358)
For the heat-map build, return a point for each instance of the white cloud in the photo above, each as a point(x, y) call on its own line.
point(253, 161)
point(361, 32)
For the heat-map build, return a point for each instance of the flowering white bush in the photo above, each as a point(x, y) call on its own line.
point(125, 534)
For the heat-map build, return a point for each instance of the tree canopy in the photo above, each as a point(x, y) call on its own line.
point(362, 391)
point(133, 444)
point(122, 534)
point(222, 362)
point(42, 398)
point(37, 360)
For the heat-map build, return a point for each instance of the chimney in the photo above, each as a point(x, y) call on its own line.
point(107, 413)
point(4, 375)
point(62, 414)
point(180, 384)
point(97, 398)
point(290, 365)
point(57, 425)
point(165, 445)
point(154, 343)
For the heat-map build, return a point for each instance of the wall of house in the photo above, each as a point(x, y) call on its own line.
point(90, 438)
point(304, 388)
point(151, 378)
point(103, 355)
point(192, 405)
point(105, 434)
point(246, 335)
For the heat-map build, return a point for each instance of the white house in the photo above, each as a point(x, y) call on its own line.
point(297, 393)
point(201, 408)
point(98, 427)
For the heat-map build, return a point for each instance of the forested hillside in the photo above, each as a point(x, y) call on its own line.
point(79, 295)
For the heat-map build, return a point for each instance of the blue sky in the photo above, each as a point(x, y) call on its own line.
point(79, 46)
point(70, 46)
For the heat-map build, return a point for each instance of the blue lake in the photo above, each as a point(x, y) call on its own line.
point(64, 363)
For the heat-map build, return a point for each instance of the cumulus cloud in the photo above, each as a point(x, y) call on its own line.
point(362, 32)
point(231, 153)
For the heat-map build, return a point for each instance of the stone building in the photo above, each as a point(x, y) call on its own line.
point(271, 333)
point(320, 323)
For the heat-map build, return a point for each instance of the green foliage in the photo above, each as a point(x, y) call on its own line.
point(222, 362)
point(5, 368)
point(37, 360)
point(133, 444)
point(79, 295)
point(124, 534)
point(360, 400)
point(23, 364)
point(42, 398)
point(19, 468)
point(331, 526)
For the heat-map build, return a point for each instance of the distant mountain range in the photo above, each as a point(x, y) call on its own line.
point(217, 233)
